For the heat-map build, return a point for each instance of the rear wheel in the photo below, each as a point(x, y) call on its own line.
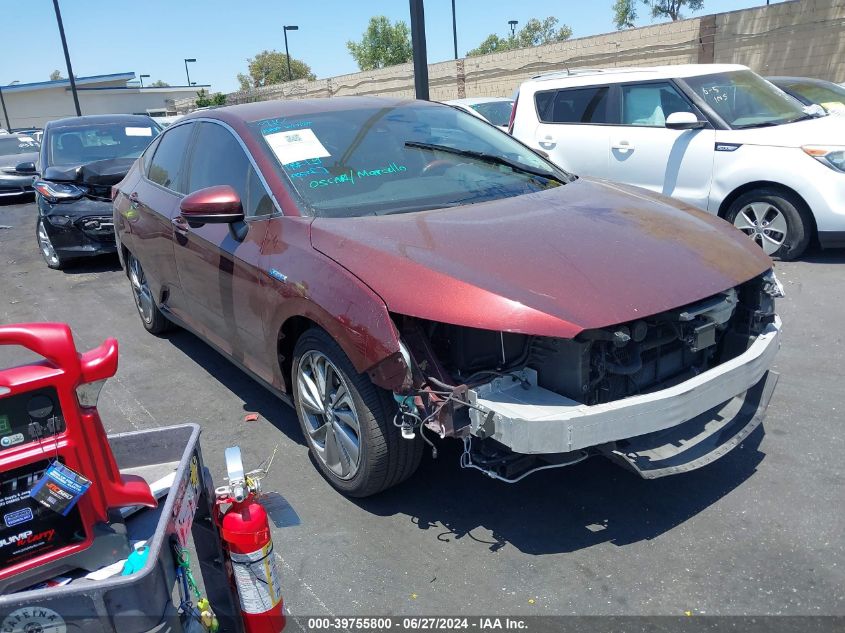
point(348, 421)
point(45, 245)
point(778, 221)
point(154, 321)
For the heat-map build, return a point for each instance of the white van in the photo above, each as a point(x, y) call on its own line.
point(716, 136)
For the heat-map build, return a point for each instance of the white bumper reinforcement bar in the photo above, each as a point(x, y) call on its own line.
point(538, 421)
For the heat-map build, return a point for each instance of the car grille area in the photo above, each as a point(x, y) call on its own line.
point(99, 228)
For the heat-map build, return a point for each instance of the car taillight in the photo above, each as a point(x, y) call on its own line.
point(114, 191)
point(513, 114)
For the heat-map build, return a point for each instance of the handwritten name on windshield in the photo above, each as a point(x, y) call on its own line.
point(349, 177)
point(277, 125)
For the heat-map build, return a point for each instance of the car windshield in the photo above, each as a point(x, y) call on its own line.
point(79, 145)
point(11, 145)
point(400, 158)
point(828, 95)
point(743, 99)
point(497, 112)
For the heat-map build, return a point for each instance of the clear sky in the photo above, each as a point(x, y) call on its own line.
point(154, 36)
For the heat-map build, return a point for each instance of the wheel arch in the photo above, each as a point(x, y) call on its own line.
point(366, 345)
point(763, 184)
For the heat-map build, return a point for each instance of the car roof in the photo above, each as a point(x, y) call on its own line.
point(283, 108)
point(98, 119)
point(590, 76)
point(476, 100)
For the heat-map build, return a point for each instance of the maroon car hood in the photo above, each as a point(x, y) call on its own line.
point(586, 255)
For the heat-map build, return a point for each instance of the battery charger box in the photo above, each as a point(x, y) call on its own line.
point(48, 416)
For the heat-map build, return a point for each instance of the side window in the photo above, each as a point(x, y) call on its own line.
point(649, 104)
point(575, 105)
point(147, 156)
point(218, 159)
point(168, 160)
point(258, 201)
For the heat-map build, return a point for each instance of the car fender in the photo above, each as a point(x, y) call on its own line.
point(735, 168)
point(340, 303)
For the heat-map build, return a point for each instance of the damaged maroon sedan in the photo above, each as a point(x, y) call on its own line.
point(398, 269)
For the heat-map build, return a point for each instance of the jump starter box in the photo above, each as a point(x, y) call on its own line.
point(60, 488)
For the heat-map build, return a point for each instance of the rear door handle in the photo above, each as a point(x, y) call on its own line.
point(180, 225)
point(133, 199)
point(548, 142)
point(623, 145)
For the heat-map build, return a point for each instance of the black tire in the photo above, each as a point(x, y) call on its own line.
point(45, 247)
point(385, 458)
point(152, 318)
point(799, 220)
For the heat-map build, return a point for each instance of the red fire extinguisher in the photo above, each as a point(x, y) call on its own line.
point(245, 530)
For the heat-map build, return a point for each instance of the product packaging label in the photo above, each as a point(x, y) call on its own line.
point(60, 488)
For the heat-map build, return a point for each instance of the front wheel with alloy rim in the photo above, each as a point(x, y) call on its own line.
point(348, 421)
point(45, 245)
point(778, 221)
point(154, 321)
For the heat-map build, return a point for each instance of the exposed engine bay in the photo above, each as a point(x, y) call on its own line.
point(454, 367)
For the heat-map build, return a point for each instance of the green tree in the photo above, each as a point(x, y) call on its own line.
point(271, 67)
point(625, 11)
point(205, 100)
point(382, 44)
point(534, 33)
point(56, 75)
point(158, 83)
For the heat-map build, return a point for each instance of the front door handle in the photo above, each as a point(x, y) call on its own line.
point(623, 146)
point(180, 226)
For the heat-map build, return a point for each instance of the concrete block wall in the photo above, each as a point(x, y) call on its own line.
point(801, 37)
point(804, 38)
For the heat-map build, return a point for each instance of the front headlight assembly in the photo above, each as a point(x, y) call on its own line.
point(831, 156)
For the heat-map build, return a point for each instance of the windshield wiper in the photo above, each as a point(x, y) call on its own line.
point(488, 158)
point(756, 125)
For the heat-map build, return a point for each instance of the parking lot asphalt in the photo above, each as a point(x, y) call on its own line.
point(757, 532)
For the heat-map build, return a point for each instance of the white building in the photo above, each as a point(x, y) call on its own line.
point(32, 105)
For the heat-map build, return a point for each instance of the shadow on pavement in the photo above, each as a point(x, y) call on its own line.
point(98, 264)
point(558, 511)
point(256, 398)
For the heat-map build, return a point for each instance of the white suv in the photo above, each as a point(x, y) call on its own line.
point(716, 136)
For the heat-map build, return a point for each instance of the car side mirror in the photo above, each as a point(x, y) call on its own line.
point(25, 168)
point(683, 121)
point(213, 205)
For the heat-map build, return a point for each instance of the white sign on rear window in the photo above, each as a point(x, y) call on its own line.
point(291, 146)
point(25, 139)
point(139, 131)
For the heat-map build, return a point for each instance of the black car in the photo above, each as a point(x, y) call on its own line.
point(81, 158)
point(18, 153)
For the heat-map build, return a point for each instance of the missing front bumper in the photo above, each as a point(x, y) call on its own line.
point(531, 420)
point(700, 441)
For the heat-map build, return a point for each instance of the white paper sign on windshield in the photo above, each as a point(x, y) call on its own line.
point(139, 131)
point(291, 146)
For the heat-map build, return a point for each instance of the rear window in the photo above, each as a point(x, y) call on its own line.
point(497, 112)
point(574, 105)
point(11, 145)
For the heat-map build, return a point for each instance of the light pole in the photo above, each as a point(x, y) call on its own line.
point(420, 55)
point(513, 24)
point(186, 69)
point(141, 77)
point(287, 54)
point(5, 113)
point(455, 29)
point(67, 57)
